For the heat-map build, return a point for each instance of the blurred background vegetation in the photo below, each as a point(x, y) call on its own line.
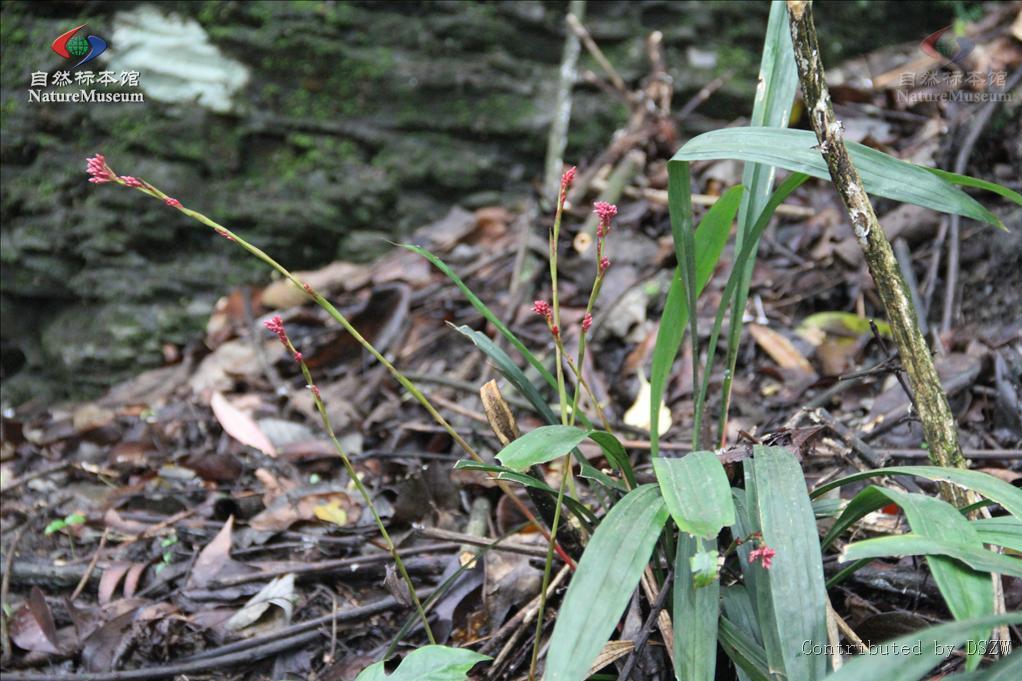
point(353, 122)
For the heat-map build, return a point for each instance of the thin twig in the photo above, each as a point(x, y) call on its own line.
point(597, 54)
point(5, 586)
point(961, 162)
point(92, 566)
point(938, 422)
point(647, 628)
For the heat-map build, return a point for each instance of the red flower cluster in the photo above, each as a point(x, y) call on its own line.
point(276, 325)
point(587, 322)
point(98, 170)
point(130, 181)
point(764, 554)
point(173, 203)
point(566, 179)
point(606, 211)
point(542, 308)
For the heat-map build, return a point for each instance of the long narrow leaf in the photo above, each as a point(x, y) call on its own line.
point(791, 595)
point(912, 544)
point(1006, 532)
point(968, 593)
point(747, 655)
point(992, 488)
point(679, 199)
point(775, 92)
point(797, 150)
point(710, 239)
point(696, 611)
point(526, 480)
point(510, 371)
point(606, 576)
point(910, 657)
point(697, 493)
point(485, 311)
point(786, 188)
point(976, 183)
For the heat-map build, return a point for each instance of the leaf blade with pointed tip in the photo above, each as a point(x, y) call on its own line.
point(607, 574)
point(543, 444)
point(797, 150)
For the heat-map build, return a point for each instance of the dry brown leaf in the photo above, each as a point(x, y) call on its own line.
point(779, 348)
point(32, 626)
point(240, 425)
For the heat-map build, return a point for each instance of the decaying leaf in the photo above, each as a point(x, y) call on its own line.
point(32, 626)
point(240, 425)
point(279, 593)
point(637, 415)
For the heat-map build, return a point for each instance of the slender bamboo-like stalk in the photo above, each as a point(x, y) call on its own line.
point(937, 420)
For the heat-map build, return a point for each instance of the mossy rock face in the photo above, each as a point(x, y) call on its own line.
point(354, 116)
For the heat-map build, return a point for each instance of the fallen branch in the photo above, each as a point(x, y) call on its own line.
point(938, 422)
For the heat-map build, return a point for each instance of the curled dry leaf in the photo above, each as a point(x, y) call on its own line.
point(280, 593)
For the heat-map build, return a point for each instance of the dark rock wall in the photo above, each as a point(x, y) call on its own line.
point(360, 120)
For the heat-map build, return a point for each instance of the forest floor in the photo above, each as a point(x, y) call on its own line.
point(140, 533)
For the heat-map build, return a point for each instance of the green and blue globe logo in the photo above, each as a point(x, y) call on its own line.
point(75, 44)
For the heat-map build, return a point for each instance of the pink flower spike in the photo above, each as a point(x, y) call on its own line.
point(98, 170)
point(276, 325)
point(567, 178)
point(130, 181)
point(604, 264)
point(605, 210)
point(542, 308)
point(173, 203)
point(587, 322)
point(764, 554)
point(314, 389)
point(298, 357)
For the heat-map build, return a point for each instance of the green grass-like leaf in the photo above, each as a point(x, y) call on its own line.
point(771, 108)
point(709, 241)
point(993, 488)
point(911, 544)
point(607, 574)
point(1006, 532)
point(795, 150)
point(790, 596)
point(786, 188)
point(968, 593)
point(696, 610)
point(486, 312)
point(900, 661)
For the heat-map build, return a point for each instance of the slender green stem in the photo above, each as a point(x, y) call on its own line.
point(555, 232)
point(152, 191)
point(565, 474)
point(391, 548)
point(582, 347)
